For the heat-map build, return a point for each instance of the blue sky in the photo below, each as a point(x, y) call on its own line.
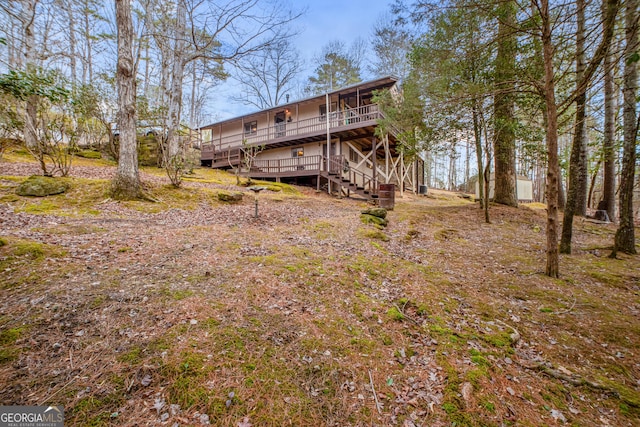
point(344, 20)
point(324, 21)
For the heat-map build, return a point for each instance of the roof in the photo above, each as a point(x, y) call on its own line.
point(382, 82)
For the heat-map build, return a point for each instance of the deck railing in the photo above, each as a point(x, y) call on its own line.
point(284, 166)
point(283, 130)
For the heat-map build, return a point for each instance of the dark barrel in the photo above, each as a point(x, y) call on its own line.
point(387, 196)
point(422, 189)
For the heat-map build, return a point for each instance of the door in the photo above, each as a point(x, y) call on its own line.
point(333, 161)
point(280, 124)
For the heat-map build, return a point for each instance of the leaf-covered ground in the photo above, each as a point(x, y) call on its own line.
point(190, 311)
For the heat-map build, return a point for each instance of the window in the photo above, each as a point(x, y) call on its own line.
point(251, 128)
point(353, 155)
point(323, 110)
point(297, 152)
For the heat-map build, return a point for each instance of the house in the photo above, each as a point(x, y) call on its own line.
point(327, 141)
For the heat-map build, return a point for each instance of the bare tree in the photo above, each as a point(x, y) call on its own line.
point(267, 78)
point(391, 44)
point(185, 31)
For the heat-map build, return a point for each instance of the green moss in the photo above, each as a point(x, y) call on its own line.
point(96, 411)
point(500, 340)
point(363, 344)
point(42, 207)
point(176, 294)
point(81, 198)
point(489, 406)
point(627, 395)
point(480, 360)
point(131, 357)
point(33, 250)
point(230, 196)
point(474, 376)
point(374, 220)
point(422, 309)
point(394, 314)
point(97, 301)
point(89, 154)
point(278, 187)
point(3, 242)
point(42, 186)
point(386, 339)
point(374, 234)
point(10, 336)
point(8, 355)
point(450, 408)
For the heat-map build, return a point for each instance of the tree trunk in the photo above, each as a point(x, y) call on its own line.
point(609, 143)
point(553, 167)
point(594, 176)
point(31, 108)
point(625, 235)
point(577, 191)
point(504, 106)
point(177, 76)
point(126, 183)
point(487, 170)
point(68, 5)
point(478, 140)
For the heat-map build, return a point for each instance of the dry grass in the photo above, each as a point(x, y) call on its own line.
point(290, 319)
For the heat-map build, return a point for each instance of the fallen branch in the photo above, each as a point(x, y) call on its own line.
point(401, 311)
point(576, 380)
point(375, 396)
point(569, 309)
point(515, 335)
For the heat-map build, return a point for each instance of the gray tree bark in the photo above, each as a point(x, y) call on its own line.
point(553, 167)
point(577, 191)
point(126, 183)
point(28, 16)
point(609, 143)
point(625, 235)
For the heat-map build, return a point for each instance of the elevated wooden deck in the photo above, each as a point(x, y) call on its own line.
point(334, 169)
point(351, 124)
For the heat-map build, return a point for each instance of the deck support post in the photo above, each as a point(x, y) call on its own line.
point(387, 154)
point(402, 170)
point(374, 161)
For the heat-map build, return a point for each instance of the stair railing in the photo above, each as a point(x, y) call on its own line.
point(339, 167)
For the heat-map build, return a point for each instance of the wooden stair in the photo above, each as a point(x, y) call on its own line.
point(348, 186)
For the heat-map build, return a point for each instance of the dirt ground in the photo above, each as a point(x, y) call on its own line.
point(190, 311)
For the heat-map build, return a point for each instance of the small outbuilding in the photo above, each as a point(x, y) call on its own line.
point(524, 189)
